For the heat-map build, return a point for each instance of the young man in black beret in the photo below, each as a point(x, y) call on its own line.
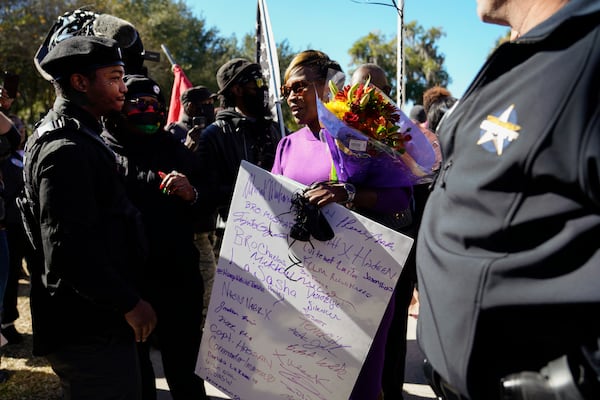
point(86, 311)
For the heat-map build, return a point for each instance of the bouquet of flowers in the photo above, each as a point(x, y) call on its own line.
point(369, 133)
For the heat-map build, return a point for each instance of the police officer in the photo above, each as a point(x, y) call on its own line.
point(507, 257)
point(86, 311)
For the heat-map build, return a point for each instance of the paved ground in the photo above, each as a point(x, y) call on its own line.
point(414, 383)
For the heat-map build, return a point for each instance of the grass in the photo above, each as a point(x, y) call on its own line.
point(30, 378)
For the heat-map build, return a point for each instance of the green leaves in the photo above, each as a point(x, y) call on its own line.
point(424, 63)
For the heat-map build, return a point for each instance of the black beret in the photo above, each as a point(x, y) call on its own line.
point(196, 94)
point(232, 71)
point(140, 85)
point(81, 54)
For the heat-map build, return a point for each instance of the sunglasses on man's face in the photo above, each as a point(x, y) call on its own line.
point(256, 78)
point(142, 105)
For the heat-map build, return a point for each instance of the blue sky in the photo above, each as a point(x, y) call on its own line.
point(333, 26)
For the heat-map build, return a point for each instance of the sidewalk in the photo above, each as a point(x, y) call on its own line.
point(415, 387)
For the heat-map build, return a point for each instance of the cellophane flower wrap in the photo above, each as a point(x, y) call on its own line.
point(372, 140)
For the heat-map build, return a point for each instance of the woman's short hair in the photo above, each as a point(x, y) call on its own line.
point(316, 60)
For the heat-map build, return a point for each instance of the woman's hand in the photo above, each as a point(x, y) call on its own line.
point(327, 192)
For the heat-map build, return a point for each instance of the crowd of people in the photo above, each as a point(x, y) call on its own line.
point(105, 195)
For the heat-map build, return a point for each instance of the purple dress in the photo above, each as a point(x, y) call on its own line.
point(304, 158)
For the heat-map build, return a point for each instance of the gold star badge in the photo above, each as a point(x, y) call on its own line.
point(498, 130)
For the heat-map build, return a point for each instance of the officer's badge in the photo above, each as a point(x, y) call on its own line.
point(497, 132)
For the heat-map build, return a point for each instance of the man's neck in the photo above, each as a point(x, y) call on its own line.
point(528, 14)
point(245, 113)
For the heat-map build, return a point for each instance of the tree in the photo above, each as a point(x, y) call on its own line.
point(424, 64)
point(375, 48)
point(501, 40)
point(24, 25)
point(199, 50)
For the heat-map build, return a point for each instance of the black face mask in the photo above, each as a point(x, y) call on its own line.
point(256, 103)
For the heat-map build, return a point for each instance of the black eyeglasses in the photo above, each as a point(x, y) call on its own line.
point(142, 105)
point(298, 87)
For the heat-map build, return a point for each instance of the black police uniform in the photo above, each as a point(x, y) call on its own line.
point(508, 255)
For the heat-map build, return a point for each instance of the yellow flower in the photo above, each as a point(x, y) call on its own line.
point(338, 108)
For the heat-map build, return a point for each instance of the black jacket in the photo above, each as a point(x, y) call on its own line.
point(168, 220)
point(90, 235)
point(508, 257)
point(222, 147)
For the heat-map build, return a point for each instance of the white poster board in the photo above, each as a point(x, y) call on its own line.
point(294, 320)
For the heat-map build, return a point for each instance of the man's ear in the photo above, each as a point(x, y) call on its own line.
point(79, 82)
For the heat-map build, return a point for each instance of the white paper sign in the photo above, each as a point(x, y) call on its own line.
point(290, 319)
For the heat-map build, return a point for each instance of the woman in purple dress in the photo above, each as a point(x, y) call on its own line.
point(305, 157)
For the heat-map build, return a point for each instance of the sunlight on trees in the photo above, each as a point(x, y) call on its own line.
point(424, 64)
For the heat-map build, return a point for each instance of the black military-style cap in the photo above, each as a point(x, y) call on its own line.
point(81, 54)
point(230, 72)
point(140, 85)
point(196, 94)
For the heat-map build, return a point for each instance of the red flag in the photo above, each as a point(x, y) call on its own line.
point(180, 84)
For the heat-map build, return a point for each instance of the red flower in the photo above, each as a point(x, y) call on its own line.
point(351, 118)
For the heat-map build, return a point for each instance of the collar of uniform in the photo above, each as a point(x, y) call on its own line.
point(573, 10)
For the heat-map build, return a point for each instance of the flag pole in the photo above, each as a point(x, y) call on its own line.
point(400, 95)
point(263, 30)
point(168, 54)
